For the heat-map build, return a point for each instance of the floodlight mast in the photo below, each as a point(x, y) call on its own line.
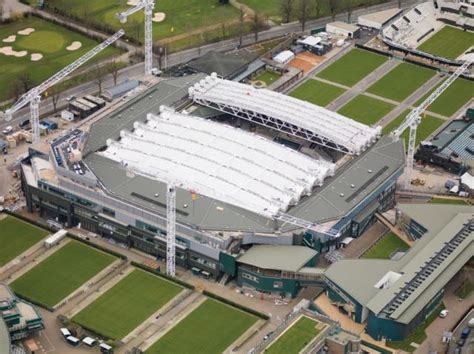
point(413, 119)
point(33, 97)
point(147, 6)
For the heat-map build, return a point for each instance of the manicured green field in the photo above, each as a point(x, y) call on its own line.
point(352, 67)
point(16, 236)
point(209, 329)
point(127, 304)
point(387, 245)
point(451, 100)
point(435, 200)
point(427, 126)
point(366, 109)
point(449, 42)
point(268, 77)
point(181, 16)
point(295, 338)
point(61, 273)
point(401, 82)
point(49, 40)
point(317, 92)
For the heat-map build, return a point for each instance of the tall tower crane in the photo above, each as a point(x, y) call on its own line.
point(147, 6)
point(33, 97)
point(170, 229)
point(413, 119)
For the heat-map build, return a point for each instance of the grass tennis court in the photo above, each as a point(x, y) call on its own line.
point(297, 337)
point(451, 100)
point(127, 304)
point(386, 246)
point(209, 329)
point(436, 200)
point(401, 82)
point(16, 236)
point(268, 77)
point(449, 42)
point(352, 67)
point(317, 92)
point(61, 273)
point(366, 109)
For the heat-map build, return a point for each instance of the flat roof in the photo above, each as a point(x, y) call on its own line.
point(219, 161)
point(381, 17)
point(284, 258)
point(4, 337)
point(344, 25)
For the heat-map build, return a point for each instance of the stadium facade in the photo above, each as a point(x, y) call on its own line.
point(117, 186)
point(395, 296)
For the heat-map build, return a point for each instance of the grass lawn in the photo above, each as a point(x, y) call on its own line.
point(386, 246)
point(427, 126)
point(401, 82)
point(435, 200)
point(352, 67)
point(61, 273)
point(317, 92)
point(181, 16)
point(451, 100)
point(16, 236)
point(449, 42)
point(268, 77)
point(127, 304)
point(366, 109)
point(49, 40)
point(209, 329)
point(466, 288)
point(295, 338)
point(418, 335)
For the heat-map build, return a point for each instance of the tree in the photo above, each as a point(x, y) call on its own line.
point(114, 70)
point(349, 6)
point(241, 24)
point(258, 24)
point(399, 4)
point(286, 8)
point(17, 89)
point(334, 7)
point(99, 77)
point(304, 13)
point(318, 4)
point(25, 81)
point(55, 93)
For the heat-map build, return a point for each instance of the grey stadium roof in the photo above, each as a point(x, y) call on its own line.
point(284, 258)
point(443, 223)
point(4, 337)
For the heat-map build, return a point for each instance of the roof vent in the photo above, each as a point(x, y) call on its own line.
point(156, 195)
point(370, 171)
point(219, 208)
point(352, 185)
point(185, 206)
point(341, 195)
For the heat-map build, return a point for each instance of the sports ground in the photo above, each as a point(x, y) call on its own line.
point(386, 246)
point(296, 338)
point(16, 236)
point(366, 109)
point(127, 304)
point(317, 92)
point(61, 273)
point(209, 329)
point(49, 40)
point(449, 42)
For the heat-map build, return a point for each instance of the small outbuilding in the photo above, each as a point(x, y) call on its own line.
point(284, 57)
point(343, 29)
point(377, 20)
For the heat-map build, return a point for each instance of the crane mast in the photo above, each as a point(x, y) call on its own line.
point(413, 119)
point(33, 97)
point(170, 230)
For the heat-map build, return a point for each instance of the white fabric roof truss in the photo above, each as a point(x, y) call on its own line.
point(285, 114)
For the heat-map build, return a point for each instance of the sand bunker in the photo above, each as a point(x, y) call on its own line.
point(159, 17)
point(26, 31)
point(10, 39)
point(133, 2)
point(36, 57)
point(8, 51)
point(74, 46)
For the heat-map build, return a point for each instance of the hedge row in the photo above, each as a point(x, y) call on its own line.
point(234, 304)
point(159, 274)
point(35, 302)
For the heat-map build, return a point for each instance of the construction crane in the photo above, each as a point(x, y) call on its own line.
point(413, 119)
point(147, 6)
point(33, 97)
point(170, 230)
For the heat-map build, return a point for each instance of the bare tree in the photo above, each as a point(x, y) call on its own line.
point(304, 8)
point(17, 89)
point(25, 81)
point(114, 70)
point(136, 29)
point(99, 77)
point(55, 93)
point(349, 6)
point(399, 3)
point(241, 25)
point(1, 10)
point(334, 7)
point(258, 24)
point(318, 4)
point(286, 8)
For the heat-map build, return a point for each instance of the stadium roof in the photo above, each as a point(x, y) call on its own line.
point(284, 258)
point(219, 161)
point(4, 337)
point(276, 108)
point(444, 224)
point(225, 65)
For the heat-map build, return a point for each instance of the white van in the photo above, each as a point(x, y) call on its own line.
point(90, 342)
point(73, 341)
point(105, 348)
point(65, 332)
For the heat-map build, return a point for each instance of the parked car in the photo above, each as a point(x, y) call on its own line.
point(443, 313)
point(8, 130)
point(70, 98)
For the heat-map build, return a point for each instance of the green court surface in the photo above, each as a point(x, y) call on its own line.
point(436, 200)
point(48, 39)
point(317, 92)
point(268, 77)
point(61, 273)
point(449, 42)
point(401, 82)
point(366, 109)
point(352, 67)
point(209, 329)
point(427, 126)
point(386, 246)
point(451, 100)
point(294, 339)
point(16, 236)
point(127, 304)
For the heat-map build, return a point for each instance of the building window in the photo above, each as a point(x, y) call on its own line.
point(108, 212)
point(250, 277)
point(278, 284)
